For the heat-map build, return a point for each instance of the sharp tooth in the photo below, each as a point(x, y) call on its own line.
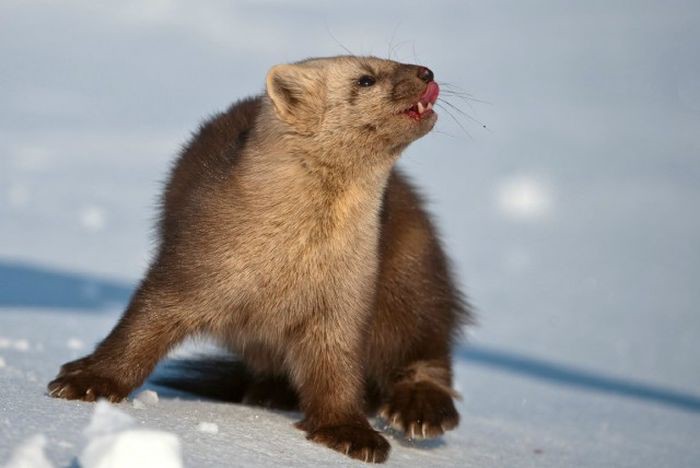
point(429, 106)
point(421, 109)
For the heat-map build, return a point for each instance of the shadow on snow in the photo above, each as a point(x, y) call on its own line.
point(25, 285)
point(562, 374)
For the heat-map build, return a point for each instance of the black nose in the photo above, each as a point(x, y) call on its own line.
point(425, 74)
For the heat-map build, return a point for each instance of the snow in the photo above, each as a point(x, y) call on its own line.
point(146, 398)
point(208, 427)
point(527, 416)
point(571, 219)
point(30, 454)
point(137, 448)
point(138, 404)
point(114, 441)
point(107, 420)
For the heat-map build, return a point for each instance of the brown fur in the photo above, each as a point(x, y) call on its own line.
point(288, 236)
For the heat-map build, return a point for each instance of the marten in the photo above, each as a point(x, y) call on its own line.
point(288, 235)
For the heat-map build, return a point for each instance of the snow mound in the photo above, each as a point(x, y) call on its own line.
point(30, 454)
point(146, 398)
point(208, 427)
point(107, 420)
point(136, 448)
point(114, 442)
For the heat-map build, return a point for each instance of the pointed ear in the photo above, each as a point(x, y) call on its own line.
point(298, 95)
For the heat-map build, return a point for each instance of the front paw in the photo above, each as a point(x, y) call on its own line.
point(77, 381)
point(354, 440)
point(421, 410)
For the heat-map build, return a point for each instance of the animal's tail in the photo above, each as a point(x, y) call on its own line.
point(227, 379)
point(213, 377)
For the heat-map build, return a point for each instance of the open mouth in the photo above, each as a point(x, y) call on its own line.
point(424, 106)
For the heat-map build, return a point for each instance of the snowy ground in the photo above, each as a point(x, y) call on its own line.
point(509, 417)
point(572, 217)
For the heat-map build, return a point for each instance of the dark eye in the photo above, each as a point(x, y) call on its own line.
point(366, 80)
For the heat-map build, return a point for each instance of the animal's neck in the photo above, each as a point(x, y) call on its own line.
point(331, 200)
point(319, 181)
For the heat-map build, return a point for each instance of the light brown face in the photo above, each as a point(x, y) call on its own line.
point(379, 102)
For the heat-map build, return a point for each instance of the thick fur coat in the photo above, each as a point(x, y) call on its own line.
point(289, 237)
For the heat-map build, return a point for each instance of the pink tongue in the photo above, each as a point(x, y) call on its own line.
point(431, 93)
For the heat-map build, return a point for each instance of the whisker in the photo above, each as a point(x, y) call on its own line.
point(415, 56)
point(391, 40)
point(397, 46)
point(457, 91)
point(466, 101)
point(443, 133)
point(328, 29)
point(454, 86)
point(463, 96)
point(473, 119)
point(455, 119)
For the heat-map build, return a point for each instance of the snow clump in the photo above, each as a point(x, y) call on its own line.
point(113, 440)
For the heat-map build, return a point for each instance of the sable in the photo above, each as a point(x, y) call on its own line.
point(288, 236)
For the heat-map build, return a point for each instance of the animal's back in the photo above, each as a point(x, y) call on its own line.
point(208, 158)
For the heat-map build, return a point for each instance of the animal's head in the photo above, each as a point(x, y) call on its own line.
point(366, 101)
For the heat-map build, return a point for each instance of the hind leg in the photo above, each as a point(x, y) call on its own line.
point(151, 325)
point(420, 401)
